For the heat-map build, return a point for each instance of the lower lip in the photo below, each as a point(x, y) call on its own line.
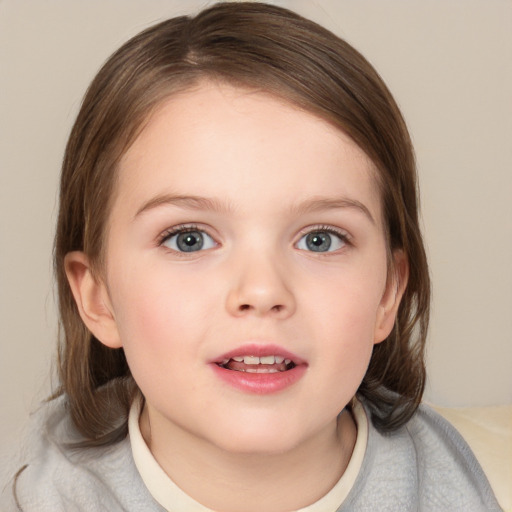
point(260, 383)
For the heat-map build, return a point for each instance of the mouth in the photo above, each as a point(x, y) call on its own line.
point(260, 369)
point(257, 364)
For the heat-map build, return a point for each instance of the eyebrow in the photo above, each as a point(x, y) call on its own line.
point(211, 204)
point(334, 203)
point(186, 202)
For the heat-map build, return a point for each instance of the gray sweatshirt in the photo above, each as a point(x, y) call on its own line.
point(424, 466)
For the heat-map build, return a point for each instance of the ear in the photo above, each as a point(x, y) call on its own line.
point(395, 288)
point(92, 299)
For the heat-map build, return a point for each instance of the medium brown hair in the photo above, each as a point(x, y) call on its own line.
point(277, 51)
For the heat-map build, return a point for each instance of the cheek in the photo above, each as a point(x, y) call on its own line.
point(350, 342)
point(153, 298)
point(350, 295)
point(152, 321)
point(146, 313)
point(161, 317)
point(345, 306)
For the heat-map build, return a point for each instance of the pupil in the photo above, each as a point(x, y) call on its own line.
point(190, 241)
point(318, 242)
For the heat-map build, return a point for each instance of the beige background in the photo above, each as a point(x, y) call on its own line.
point(449, 64)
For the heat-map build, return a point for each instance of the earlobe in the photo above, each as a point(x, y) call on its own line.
point(395, 288)
point(92, 299)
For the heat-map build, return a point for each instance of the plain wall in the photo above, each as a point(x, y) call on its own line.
point(449, 65)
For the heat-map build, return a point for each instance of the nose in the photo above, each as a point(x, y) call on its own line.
point(258, 286)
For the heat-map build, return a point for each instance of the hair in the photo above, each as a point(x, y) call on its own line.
point(274, 50)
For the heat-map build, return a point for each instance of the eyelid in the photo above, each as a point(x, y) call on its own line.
point(179, 228)
point(185, 227)
point(182, 228)
point(342, 234)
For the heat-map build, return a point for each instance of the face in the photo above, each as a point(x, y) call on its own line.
point(246, 271)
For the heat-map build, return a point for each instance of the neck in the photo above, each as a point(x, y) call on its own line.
point(274, 482)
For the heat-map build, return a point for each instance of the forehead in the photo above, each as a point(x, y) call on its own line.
point(246, 145)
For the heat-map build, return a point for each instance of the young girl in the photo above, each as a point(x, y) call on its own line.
point(243, 287)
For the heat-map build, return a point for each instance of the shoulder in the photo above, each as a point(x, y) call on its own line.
point(52, 476)
point(447, 464)
point(425, 465)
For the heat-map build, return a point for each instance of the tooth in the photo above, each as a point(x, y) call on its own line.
point(251, 360)
point(267, 360)
point(225, 361)
point(261, 370)
point(287, 361)
point(238, 359)
point(279, 359)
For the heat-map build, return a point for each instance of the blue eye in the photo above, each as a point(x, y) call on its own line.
point(322, 240)
point(188, 240)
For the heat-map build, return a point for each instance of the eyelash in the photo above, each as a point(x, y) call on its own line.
point(176, 230)
point(184, 228)
point(341, 234)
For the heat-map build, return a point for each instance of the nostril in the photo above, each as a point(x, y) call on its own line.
point(277, 308)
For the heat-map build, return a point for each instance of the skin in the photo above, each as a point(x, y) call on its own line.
point(273, 173)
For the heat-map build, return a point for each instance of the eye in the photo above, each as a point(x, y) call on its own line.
point(322, 240)
point(188, 240)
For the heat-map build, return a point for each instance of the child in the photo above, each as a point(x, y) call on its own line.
point(243, 287)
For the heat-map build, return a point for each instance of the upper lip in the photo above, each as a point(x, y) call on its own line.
point(259, 350)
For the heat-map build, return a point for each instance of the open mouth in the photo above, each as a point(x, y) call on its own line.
point(255, 364)
point(260, 369)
